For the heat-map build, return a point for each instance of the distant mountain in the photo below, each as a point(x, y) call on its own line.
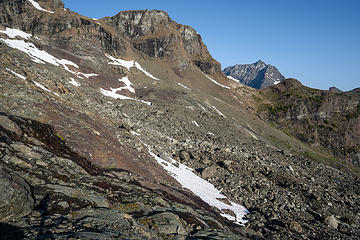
point(256, 75)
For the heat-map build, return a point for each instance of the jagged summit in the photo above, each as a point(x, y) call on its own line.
point(257, 75)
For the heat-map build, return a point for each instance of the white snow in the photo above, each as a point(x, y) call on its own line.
point(129, 64)
point(135, 133)
point(87, 75)
point(277, 82)
point(12, 33)
point(184, 86)
point(127, 83)
point(94, 19)
point(37, 6)
point(137, 65)
point(196, 124)
point(205, 190)
point(231, 78)
point(112, 93)
point(41, 56)
point(218, 111)
point(44, 88)
point(221, 85)
point(120, 62)
point(74, 82)
point(16, 74)
point(211, 133)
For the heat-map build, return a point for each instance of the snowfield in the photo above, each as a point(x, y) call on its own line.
point(202, 188)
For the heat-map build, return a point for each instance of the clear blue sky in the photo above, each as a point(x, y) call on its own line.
point(315, 41)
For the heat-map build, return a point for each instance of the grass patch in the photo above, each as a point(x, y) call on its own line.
point(60, 137)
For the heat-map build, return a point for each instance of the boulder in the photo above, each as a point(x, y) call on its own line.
point(16, 199)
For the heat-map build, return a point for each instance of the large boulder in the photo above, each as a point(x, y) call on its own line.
point(16, 199)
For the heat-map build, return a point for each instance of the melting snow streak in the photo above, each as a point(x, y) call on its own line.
point(216, 82)
point(218, 111)
point(128, 65)
point(44, 88)
point(37, 6)
point(16, 74)
point(184, 86)
point(112, 93)
point(205, 190)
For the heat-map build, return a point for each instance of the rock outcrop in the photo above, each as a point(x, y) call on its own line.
point(16, 199)
point(157, 35)
point(330, 119)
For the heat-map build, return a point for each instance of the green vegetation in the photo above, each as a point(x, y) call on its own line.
point(278, 109)
point(60, 137)
point(318, 99)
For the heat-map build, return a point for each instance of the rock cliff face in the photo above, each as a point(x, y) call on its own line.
point(257, 75)
point(330, 119)
point(155, 34)
point(124, 128)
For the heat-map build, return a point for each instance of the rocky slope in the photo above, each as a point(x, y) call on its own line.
point(256, 75)
point(103, 122)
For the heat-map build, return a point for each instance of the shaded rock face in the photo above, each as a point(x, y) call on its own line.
point(257, 75)
point(16, 199)
point(154, 33)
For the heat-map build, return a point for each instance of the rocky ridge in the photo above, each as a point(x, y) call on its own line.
point(257, 75)
point(328, 119)
point(79, 128)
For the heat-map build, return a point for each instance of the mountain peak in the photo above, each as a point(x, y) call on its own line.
point(257, 75)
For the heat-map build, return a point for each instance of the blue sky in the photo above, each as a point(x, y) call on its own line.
point(315, 41)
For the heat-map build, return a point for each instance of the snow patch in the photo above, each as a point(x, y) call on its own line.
point(37, 6)
point(195, 123)
point(12, 33)
point(184, 86)
point(87, 75)
point(129, 64)
point(16, 74)
point(41, 56)
point(218, 111)
point(277, 82)
point(135, 133)
point(231, 78)
point(74, 82)
point(205, 190)
point(112, 93)
point(44, 88)
point(221, 85)
point(127, 83)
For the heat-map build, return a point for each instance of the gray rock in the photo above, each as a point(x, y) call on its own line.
point(9, 125)
point(208, 172)
point(332, 221)
point(257, 75)
point(16, 200)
